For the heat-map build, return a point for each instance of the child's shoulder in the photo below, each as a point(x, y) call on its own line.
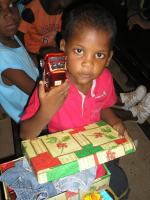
point(105, 78)
point(106, 74)
point(5, 50)
point(30, 10)
point(9, 52)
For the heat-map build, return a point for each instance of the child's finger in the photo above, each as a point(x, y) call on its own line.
point(41, 88)
point(120, 129)
point(126, 134)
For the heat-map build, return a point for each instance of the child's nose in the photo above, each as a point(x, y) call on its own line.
point(88, 61)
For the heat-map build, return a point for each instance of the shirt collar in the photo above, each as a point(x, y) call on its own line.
point(91, 91)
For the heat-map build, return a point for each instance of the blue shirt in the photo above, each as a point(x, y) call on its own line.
point(13, 99)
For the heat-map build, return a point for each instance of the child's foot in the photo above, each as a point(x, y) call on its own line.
point(132, 98)
point(142, 110)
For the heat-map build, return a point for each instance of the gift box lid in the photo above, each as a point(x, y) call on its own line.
point(60, 154)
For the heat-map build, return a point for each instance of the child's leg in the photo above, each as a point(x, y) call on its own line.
point(118, 180)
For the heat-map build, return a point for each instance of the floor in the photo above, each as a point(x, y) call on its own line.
point(136, 165)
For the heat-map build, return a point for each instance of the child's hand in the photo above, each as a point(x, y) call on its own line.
point(50, 102)
point(120, 127)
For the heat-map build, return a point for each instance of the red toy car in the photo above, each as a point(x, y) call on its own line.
point(54, 69)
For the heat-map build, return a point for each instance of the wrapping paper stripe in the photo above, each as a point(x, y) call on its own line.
point(96, 159)
point(63, 170)
point(44, 161)
point(101, 123)
point(88, 150)
point(5, 166)
point(58, 172)
point(77, 130)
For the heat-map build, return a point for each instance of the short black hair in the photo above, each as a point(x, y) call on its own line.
point(91, 14)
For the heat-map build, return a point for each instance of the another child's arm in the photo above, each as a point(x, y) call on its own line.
point(18, 78)
point(111, 118)
point(50, 103)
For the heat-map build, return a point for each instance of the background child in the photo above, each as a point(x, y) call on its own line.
point(41, 20)
point(17, 71)
point(88, 35)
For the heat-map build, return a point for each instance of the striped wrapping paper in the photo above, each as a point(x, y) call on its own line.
point(60, 154)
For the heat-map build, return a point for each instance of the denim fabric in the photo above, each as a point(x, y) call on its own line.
point(23, 181)
point(79, 181)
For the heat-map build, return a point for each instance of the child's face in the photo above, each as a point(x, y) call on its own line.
point(88, 53)
point(9, 18)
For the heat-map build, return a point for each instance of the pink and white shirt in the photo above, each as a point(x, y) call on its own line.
point(78, 110)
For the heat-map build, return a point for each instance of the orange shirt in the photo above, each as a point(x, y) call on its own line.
point(42, 31)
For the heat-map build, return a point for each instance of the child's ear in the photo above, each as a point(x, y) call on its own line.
point(62, 45)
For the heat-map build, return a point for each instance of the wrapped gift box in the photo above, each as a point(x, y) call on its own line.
point(60, 154)
point(101, 183)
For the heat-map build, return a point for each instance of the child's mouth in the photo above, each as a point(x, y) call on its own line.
point(85, 75)
point(12, 26)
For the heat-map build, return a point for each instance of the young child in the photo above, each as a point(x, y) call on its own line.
point(88, 35)
point(41, 20)
point(89, 86)
point(17, 71)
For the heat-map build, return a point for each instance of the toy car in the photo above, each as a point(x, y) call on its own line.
point(54, 69)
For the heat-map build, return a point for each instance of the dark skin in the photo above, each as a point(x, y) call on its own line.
point(9, 22)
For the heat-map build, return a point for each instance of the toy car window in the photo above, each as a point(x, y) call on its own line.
point(56, 63)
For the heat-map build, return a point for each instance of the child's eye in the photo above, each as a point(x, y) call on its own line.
point(79, 51)
point(100, 55)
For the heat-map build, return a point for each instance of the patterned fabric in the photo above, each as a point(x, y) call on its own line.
point(42, 31)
